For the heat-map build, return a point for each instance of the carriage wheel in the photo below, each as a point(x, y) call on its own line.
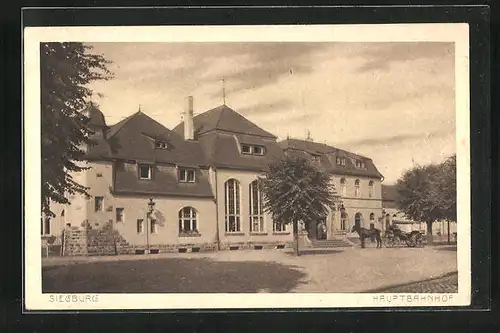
point(411, 242)
point(420, 241)
point(390, 242)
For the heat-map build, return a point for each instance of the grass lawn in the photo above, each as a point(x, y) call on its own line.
point(275, 271)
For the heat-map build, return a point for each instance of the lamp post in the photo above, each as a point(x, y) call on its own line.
point(151, 206)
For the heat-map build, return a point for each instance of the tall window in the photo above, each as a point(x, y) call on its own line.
point(343, 187)
point(343, 221)
point(256, 208)
point(98, 204)
point(187, 220)
point(46, 226)
point(372, 217)
point(232, 205)
point(153, 227)
point(356, 188)
point(370, 189)
point(357, 219)
point(140, 226)
point(119, 214)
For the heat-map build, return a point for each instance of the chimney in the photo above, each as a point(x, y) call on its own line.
point(188, 120)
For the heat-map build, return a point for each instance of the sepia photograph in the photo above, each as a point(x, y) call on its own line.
point(248, 163)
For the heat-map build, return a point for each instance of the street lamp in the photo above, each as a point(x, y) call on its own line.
point(151, 207)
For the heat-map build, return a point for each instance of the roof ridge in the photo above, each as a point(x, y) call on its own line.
point(124, 122)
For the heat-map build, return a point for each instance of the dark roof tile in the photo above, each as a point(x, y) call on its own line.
point(223, 118)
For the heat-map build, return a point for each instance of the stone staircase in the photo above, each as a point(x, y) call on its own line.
point(332, 243)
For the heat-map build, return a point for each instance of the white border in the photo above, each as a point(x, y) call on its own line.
point(452, 32)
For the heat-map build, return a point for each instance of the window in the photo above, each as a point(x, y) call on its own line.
point(232, 205)
point(98, 204)
point(356, 188)
point(252, 149)
point(357, 220)
point(152, 228)
point(45, 226)
point(246, 149)
point(343, 221)
point(315, 158)
point(279, 227)
point(256, 208)
point(360, 165)
point(145, 171)
point(370, 189)
point(140, 226)
point(187, 175)
point(258, 150)
point(187, 220)
point(342, 161)
point(161, 145)
point(372, 216)
point(343, 187)
point(339, 162)
point(119, 214)
point(387, 220)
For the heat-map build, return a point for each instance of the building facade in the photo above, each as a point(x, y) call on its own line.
point(196, 185)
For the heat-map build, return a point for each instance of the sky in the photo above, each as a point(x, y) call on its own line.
point(392, 102)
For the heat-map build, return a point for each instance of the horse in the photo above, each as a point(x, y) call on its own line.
point(367, 233)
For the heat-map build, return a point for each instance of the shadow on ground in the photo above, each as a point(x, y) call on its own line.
point(169, 276)
point(314, 251)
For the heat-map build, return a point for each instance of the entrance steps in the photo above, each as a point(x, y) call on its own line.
point(332, 243)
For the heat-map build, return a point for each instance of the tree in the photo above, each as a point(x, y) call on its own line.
point(445, 188)
point(66, 70)
point(294, 190)
point(428, 193)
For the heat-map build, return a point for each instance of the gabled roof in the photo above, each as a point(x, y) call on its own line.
point(134, 137)
point(328, 157)
point(225, 119)
point(223, 151)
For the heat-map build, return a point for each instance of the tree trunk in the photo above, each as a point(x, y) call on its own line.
point(429, 233)
point(296, 237)
point(448, 222)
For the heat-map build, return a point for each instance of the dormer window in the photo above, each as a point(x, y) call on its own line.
point(258, 150)
point(341, 161)
point(161, 145)
point(252, 149)
point(187, 175)
point(360, 165)
point(145, 171)
point(315, 158)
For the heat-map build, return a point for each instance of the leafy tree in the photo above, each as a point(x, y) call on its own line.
point(294, 190)
point(428, 193)
point(66, 70)
point(445, 188)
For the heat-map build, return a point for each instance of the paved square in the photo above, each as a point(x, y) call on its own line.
point(329, 270)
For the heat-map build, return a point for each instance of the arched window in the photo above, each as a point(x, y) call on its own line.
point(357, 220)
point(370, 189)
point(256, 208)
point(188, 220)
point(387, 220)
point(356, 188)
point(232, 205)
point(372, 217)
point(343, 221)
point(343, 187)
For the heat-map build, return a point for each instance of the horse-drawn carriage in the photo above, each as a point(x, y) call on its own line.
point(395, 236)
